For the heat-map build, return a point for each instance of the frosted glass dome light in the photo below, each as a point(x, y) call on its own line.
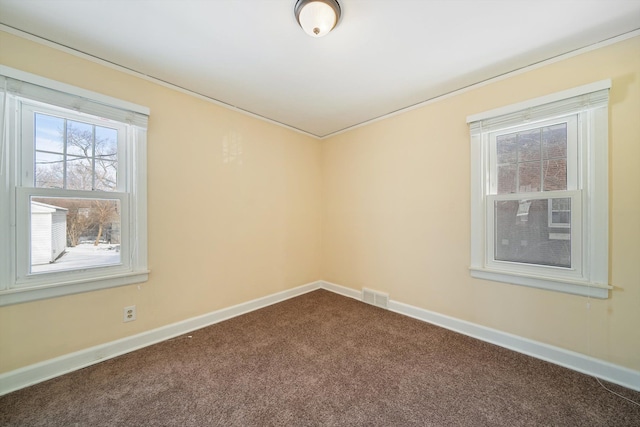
point(317, 17)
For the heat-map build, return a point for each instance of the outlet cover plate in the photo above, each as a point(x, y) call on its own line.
point(129, 314)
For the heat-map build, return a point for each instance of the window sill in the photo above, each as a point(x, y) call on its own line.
point(33, 293)
point(593, 290)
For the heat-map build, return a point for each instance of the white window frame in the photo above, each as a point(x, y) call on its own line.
point(22, 94)
point(587, 189)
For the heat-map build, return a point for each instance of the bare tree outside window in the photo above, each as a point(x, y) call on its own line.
point(74, 155)
point(103, 213)
point(78, 222)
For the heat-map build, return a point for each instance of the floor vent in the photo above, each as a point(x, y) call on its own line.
point(376, 298)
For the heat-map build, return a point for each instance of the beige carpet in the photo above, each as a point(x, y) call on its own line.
point(321, 360)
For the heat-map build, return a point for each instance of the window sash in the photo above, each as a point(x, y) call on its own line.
point(574, 272)
point(572, 121)
point(29, 109)
point(24, 278)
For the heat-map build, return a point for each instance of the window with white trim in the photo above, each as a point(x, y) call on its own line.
point(539, 192)
point(73, 195)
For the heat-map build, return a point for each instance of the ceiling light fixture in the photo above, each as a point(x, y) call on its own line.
point(317, 17)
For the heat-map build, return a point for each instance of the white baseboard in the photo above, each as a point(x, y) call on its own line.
point(341, 290)
point(33, 374)
point(48, 369)
point(559, 356)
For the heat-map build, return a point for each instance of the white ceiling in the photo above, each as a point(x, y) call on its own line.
point(384, 55)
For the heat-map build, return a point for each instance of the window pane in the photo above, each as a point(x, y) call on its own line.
point(79, 139)
point(528, 177)
point(523, 234)
point(561, 218)
point(529, 145)
point(507, 149)
point(79, 173)
point(49, 133)
point(74, 233)
point(49, 170)
point(554, 141)
point(555, 174)
point(561, 204)
point(106, 162)
point(507, 179)
point(107, 141)
point(106, 175)
point(560, 213)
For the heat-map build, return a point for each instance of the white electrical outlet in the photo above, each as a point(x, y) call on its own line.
point(129, 313)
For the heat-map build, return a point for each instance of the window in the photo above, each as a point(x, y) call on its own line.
point(73, 172)
point(539, 192)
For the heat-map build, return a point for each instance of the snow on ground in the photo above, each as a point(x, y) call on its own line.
point(84, 255)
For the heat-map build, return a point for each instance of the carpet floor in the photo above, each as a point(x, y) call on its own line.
point(321, 359)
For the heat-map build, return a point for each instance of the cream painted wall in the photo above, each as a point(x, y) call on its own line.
point(234, 214)
point(240, 208)
point(396, 212)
